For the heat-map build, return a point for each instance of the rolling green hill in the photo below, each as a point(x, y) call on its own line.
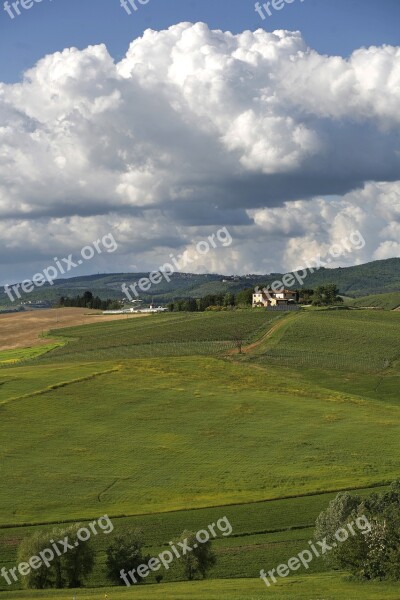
point(377, 277)
point(338, 340)
point(159, 423)
point(383, 301)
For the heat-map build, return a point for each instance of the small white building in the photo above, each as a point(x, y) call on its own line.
point(268, 297)
point(128, 311)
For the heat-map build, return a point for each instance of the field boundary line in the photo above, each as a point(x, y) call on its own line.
point(62, 384)
point(198, 508)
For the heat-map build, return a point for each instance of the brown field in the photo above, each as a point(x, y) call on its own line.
point(24, 330)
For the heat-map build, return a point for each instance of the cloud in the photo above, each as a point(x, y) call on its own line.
point(195, 129)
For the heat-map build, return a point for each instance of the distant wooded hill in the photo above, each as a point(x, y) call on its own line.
point(378, 277)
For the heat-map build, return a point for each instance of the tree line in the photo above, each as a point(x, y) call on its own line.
point(89, 301)
point(373, 554)
point(125, 552)
point(225, 300)
point(323, 295)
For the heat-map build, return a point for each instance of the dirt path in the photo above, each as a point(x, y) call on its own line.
point(23, 330)
point(266, 335)
point(254, 345)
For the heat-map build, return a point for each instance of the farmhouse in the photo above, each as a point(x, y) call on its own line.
point(267, 297)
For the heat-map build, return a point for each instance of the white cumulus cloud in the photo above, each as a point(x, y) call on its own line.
point(196, 129)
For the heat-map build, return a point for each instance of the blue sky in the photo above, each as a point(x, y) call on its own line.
point(329, 26)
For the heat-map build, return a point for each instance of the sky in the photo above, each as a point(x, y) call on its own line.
point(185, 117)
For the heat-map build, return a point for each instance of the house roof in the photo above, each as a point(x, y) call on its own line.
point(269, 291)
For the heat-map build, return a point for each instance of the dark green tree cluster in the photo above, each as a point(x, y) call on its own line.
point(126, 552)
point(323, 295)
point(185, 305)
point(90, 301)
point(226, 300)
point(70, 568)
point(372, 554)
point(306, 296)
point(65, 571)
point(200, 559)
point(326, 295)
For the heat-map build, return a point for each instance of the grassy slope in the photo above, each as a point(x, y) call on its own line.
point(14, 356)
point(177, 334)
point(264, 533)
point(345, 340)
point(198, 431)
point(311, 587)
point(233, 435)
point(372, 278)
point(384, 301)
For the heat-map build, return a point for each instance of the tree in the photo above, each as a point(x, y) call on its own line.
point(88, 299)
point(238, 338)
point(211, 300)
point(306, 295)
point(125, 552)
point(245, 297)
point(189, 305)
point(229, 299)
point(78, 562)
point(332, 519)
point(200, 559)
point(376, 553)
point(332, 294)
point(326, 295)
point(41, 578)
point(318, 296)
point(67, 570)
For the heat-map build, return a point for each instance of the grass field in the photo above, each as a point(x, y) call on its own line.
point(247, 444)
point(8, 357)
point(265, 534)
point(181, 434)
point(311, 587)
point(163, 335)
point(337, 340)
point(383, 301)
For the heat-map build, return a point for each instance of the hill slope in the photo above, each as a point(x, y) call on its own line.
point(378, 277)
point(384, 301)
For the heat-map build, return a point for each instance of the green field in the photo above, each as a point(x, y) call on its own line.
point(162, 335)
point(383, 301)
point(337, 340)
point(312, 587)
point(152, 422)
point(15, 356)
